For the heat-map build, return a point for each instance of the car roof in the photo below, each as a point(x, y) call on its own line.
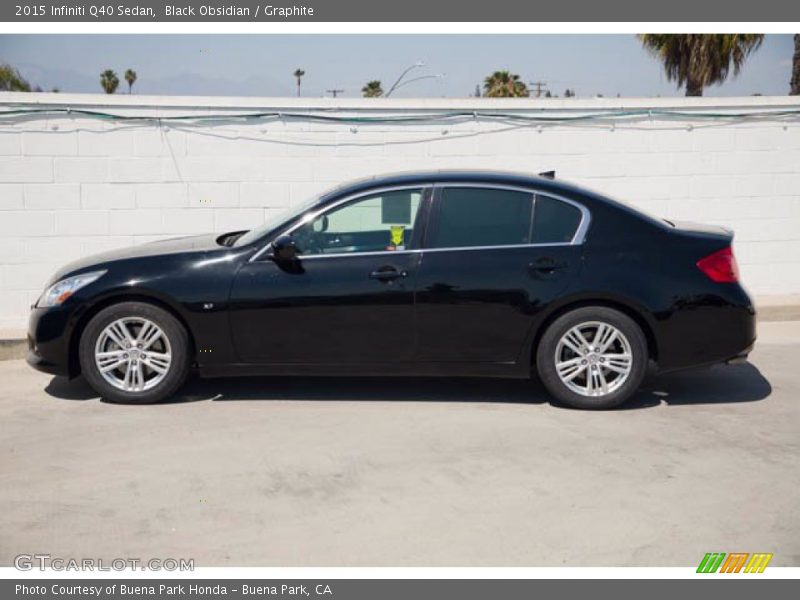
point(587, 197)
point(455, 176)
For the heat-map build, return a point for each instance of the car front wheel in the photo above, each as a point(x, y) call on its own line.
point(592, 357)
point(134, 353)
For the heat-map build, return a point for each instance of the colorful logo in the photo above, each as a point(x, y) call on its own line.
point(734, 562)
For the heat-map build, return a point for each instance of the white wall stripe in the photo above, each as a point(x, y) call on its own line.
point(72, 186)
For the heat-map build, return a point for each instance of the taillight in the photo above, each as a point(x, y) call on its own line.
point(720, 266)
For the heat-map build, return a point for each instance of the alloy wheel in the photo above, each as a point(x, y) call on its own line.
point(133, 354)
point(593, 359)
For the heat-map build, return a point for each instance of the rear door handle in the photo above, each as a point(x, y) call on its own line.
point(546, 266)
point(387, 274)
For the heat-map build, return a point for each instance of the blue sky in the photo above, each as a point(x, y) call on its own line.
point(262, 65)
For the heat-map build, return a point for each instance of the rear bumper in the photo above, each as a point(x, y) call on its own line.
point(740, 358)
point(706, 330)
point(737, 360)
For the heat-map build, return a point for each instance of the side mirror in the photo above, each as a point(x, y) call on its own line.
point(285, 248)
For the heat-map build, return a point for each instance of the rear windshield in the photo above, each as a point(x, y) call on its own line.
point(639, 212)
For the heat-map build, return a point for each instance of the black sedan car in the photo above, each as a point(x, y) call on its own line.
point(444, 273)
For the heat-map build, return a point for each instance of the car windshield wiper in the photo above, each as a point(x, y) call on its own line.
point(228, 239)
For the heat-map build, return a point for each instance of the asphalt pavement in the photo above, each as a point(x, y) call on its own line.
point(446, 472)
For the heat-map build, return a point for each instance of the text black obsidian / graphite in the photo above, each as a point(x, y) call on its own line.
point(232, 10)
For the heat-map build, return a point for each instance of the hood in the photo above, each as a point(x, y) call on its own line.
point(195, 243)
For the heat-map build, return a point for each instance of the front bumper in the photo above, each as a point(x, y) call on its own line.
point(41, 364)
point(48, 341)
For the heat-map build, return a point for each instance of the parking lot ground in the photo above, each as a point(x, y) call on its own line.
point(284, 472)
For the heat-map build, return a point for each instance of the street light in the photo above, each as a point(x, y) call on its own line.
point(403, 74)
point(436, 76)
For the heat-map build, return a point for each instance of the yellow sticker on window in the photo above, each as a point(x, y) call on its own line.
point(397, 234)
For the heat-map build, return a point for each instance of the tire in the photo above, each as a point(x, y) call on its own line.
point(152, 369)
point(592, 380)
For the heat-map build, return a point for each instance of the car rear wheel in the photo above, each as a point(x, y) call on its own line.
point(134, 353)
point(592, 357)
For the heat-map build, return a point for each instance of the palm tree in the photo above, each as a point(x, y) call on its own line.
point(795, 83)
point(298, 74)
point(11, 80)
point(700, 60)
point(502, 84)
point(373, 89)
point(130, 77)
point(109, 81)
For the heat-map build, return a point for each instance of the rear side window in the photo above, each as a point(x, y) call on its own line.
point(554, 221)
point(471, 217)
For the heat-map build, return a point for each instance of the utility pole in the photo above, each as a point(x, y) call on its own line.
point(335, 92)
point(538, 86)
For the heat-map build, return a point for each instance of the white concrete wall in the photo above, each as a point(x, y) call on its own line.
point(71, 186)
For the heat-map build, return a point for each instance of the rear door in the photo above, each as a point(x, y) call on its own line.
point(493, 256)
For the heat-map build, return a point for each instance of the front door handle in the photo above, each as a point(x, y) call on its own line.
point(387, 274)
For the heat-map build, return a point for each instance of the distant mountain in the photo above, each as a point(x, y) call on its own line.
point(64, 80)
point(181, 84)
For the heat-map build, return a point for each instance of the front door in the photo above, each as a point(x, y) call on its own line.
point(493, 257)
point(349, 298)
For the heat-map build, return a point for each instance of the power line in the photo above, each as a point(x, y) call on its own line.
point(444, 116)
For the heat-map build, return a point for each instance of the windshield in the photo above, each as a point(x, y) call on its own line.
point(274, 220)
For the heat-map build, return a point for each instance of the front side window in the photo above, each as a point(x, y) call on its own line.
point(375, 223)
point(470, 217)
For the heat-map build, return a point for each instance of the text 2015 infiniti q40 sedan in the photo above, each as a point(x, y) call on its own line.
point(446, 273)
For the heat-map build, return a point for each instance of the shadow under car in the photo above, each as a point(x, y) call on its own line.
point(715, 385)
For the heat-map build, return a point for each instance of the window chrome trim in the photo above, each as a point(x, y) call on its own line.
point(500, 247)
point(577, 239)
point(426, 250)
point(354, 254)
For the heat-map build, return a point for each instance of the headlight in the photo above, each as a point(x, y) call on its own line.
point(61, 290)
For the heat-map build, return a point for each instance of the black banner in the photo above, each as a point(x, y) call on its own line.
point(728, 587)
point(407, 10)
